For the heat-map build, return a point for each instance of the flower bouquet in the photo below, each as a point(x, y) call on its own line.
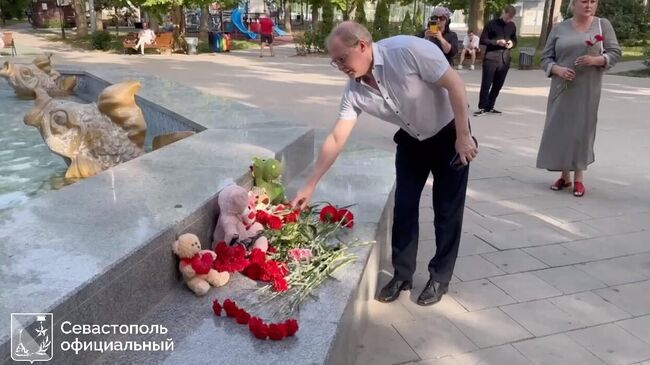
point(305, 248)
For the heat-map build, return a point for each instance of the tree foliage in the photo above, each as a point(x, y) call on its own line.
point(381, 24)
point(629, 18)
point(407, 26)
point(360, 14)
point(14, 8)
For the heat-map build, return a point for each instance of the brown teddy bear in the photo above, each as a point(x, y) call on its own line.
point(196, 265)
point(236, 221)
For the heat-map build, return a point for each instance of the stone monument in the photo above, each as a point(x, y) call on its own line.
point(39, 74)
point(91, 137)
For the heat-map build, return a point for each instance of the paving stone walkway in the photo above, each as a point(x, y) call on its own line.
point(542, 277)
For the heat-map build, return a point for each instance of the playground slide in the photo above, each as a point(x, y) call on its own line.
point(279, 31)
point(237, 20)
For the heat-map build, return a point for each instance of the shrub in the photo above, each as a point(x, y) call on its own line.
point(101, 40)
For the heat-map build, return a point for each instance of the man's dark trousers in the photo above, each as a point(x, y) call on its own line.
point(495, 70)
point(413, 162)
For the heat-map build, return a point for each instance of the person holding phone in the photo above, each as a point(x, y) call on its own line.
point(406, 81)
point(439, 33)
point(499, 36)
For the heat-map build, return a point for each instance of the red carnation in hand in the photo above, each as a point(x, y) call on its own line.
point(242, 316)
point(277, 331)
point(291, 218)
point(589, 43)
point(274, 222)
point(292, 327)
point(599, 37)
point(231, 308)
point(216, 307)
point(345, 217)
point(328, 214)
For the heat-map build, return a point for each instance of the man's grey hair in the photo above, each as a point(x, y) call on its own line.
point(350, 33)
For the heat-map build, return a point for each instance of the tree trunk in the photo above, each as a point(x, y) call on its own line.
point(551, 15)
point(476, 16)
point(153, 21)
point(99, 25)
point(80, 17)
point(287, 16)
point(314, 13)
point(203, 27)
point(545, 31)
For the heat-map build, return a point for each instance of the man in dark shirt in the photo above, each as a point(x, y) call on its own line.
point(499, 36)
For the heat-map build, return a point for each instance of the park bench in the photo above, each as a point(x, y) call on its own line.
point(164, 42)
point(479, 54)
point(8, 39)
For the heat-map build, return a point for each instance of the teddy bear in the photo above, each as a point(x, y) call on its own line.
point(266, 174)
point(196, 265)
point(237, 219)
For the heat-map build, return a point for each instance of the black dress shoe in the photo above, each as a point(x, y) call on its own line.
point(391, 291)
point(433, 292)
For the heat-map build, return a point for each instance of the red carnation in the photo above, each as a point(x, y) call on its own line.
point(280, 284)
point(277, 331)
point(254, 272)
point(291, 218)
point(242, 316)
point(231, 308)
point(279, 208)
point(230, 259)
point(589, 43)
point(261, 217)
point(292, 327)
point(599, 37)
point(257, 256)
point(216, 307)
point(274, 222)
point(328, 214)
point(271, 249)
point(258, 328)
point(345, 217)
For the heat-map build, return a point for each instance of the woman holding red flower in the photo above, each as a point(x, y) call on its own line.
point(577, 53)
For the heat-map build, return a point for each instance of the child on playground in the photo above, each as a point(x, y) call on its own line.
point(266, 33)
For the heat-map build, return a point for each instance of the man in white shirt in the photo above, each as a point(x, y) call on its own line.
point(470, 45)
point(145, 36)
point(406, 81)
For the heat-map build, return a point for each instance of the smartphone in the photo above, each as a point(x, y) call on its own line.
point(433, 27)
point(456, 163)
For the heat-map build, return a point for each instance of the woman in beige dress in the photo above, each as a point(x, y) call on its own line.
point(577, 53)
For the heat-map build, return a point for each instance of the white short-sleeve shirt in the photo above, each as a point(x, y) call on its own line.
point(406, 69)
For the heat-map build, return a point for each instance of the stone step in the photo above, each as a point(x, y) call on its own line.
point(99, 251)
point(329, 327)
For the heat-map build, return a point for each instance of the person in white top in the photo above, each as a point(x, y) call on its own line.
point(145, 36)
point(2, 43)
point(408, 82)
point(470, 45)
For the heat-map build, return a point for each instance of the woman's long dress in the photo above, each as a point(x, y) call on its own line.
point(572, 109)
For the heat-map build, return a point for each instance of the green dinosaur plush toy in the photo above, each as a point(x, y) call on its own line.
point(266, 174)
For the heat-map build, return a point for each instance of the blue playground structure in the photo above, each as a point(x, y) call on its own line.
point(237, 19)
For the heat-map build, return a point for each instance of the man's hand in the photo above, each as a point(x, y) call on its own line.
point(303, 196)
point(501, 42)
point(509, 44)
point(466, 148)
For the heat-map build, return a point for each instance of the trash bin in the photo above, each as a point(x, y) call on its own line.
point(214, 41)
point(192, 43)
point(219, 42)
point(526, 55)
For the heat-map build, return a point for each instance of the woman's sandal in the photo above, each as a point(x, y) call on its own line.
point(560, 184)
point(578, 189)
